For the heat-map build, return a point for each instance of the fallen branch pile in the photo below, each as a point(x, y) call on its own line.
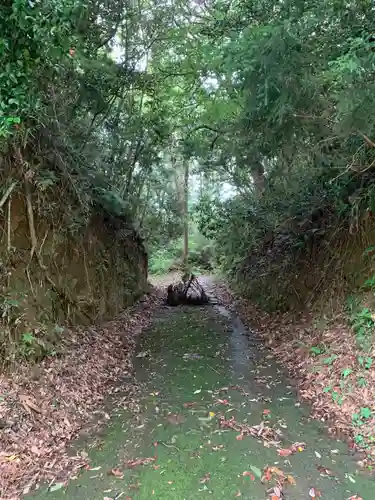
point(187, 292)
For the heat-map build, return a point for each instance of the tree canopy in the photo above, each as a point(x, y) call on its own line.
point(271, 98)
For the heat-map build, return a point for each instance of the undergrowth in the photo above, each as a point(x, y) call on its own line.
point(170, 258)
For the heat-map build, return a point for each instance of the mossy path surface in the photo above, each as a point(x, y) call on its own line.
point(195, 367)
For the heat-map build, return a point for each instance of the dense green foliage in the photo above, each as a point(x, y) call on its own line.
point(273, 99)
point(287, 121)
point(73, 111)
point(169, 258)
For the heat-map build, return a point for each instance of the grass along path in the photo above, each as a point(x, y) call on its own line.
point(216, 415)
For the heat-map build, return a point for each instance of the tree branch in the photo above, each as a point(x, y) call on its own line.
point(367, 139)
point(206, 127)
point(7, 194)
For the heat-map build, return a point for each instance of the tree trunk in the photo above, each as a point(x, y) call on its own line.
point(257, 174)
point(186, 215)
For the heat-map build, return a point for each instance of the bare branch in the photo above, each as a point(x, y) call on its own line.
point(368, 140)
point(7, 194)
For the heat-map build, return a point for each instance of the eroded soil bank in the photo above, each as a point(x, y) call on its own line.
point(215, 417)
point(42, 409)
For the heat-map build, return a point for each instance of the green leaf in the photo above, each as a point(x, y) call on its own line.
point(362, 382)
point(28, 338)
point(345, 373)
point(13, 303)
point(256, 471)
point(315, 350)
point(366, 412)
point(330, 359)
point(369, 250)
point(56, 486)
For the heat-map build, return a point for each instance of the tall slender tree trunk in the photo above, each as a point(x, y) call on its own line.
point(257, 174)
point(186, 215)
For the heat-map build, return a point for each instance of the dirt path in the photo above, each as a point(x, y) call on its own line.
point(216, 418)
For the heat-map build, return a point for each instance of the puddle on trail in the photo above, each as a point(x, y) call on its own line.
point(186, 358)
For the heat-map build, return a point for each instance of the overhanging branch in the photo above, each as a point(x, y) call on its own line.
point(206, 127)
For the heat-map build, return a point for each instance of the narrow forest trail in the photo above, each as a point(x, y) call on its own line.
point(198, 367)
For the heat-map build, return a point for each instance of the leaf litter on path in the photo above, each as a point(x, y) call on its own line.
point(43, 414)
point(116, 472)
point(175, 418)
point(289, 336)
point(261, 430)
point(281, 479)
point(324, 471)
point(296, 447)
point(136, 462)
point(205, 478)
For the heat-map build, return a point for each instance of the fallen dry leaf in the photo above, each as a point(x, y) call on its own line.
point(278, 472)
point(29, 404)
point(205, 478)
point(139, 461)
point(277, 491)
point(248, 474)
point(325, 471)
point(267, 476)
point(291, 480)
point(175, 419)
point(314, 493)
point(261, 430)
point(284, 452)
point(117, 473)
